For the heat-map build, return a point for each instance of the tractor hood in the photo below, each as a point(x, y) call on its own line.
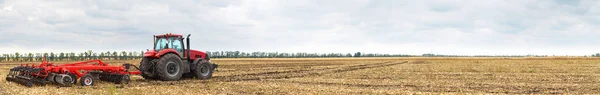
point(197, 54)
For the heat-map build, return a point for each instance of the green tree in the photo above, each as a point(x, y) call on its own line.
point(95, 56)
point(45, 55)
point(38, 56)
point(8, 57)
point(16, 57)
point(51, 58)
point(135, 55)
point(85, 56)
point(30, 55)
point(101, 56)
point(89, 54)
point(72, 55)
point(236, 54)
point(107, 54)
point(2, 58)
point(61, 56)
point(123, 55)
point(357, 54)
point(130, 55)
point(115, 55)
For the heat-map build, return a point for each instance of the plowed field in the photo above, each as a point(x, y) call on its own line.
point(359, 76)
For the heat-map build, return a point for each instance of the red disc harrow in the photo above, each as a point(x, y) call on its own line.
point(87, 72)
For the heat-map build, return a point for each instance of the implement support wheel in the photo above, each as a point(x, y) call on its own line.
point(87, 80)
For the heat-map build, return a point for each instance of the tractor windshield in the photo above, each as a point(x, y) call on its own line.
point(161, 43)
point(172, 42)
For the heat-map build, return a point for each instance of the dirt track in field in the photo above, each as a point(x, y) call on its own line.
point(283, 74)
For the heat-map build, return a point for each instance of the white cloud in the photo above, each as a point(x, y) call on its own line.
point(469, 27)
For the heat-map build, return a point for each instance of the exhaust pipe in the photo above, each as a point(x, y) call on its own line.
point(188, 46)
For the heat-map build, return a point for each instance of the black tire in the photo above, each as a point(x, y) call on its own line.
point(204, 70)
point(169, 67)
point(50, 77)
point(63, 79)
point(87, 80)
point(147, 67)
point(74, 77)
point(125, 79)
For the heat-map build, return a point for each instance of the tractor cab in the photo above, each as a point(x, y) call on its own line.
point(169, 41)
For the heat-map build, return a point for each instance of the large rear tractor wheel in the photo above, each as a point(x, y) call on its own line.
point(148, 68)
point(169, 67)
point(203, 70)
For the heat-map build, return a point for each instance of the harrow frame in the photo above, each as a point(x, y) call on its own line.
point(68, 74)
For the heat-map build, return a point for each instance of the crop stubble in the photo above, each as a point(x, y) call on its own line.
point(363, 76)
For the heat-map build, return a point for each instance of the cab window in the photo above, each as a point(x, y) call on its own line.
point(176, 44)
point(160, 44)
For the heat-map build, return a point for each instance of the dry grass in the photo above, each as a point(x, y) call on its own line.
point(362, 76)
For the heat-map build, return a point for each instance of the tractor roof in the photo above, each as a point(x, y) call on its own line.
point(168, 35)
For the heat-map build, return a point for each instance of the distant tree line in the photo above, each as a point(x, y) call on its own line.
point(596, 55)
point(70, 56)
point(127, 55)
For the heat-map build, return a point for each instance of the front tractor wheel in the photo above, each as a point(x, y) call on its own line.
point(203, 70)
point(169, 67)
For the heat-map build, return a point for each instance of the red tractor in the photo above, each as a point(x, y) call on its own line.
point(171, 59)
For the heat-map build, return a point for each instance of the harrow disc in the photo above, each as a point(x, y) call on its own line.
point(24, 82)
point(50, 77)
point(64, 79)
point(115, 78)
point(25, 76)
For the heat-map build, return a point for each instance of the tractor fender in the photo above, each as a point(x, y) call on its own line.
point(166, 51)
point(151, 54)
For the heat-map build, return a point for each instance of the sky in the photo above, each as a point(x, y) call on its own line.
point(456, 27)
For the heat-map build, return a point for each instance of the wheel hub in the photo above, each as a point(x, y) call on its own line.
point(172, 68)
point(88, 81)
point(204, 70)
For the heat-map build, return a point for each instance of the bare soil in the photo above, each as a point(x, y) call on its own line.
point(359, 76)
